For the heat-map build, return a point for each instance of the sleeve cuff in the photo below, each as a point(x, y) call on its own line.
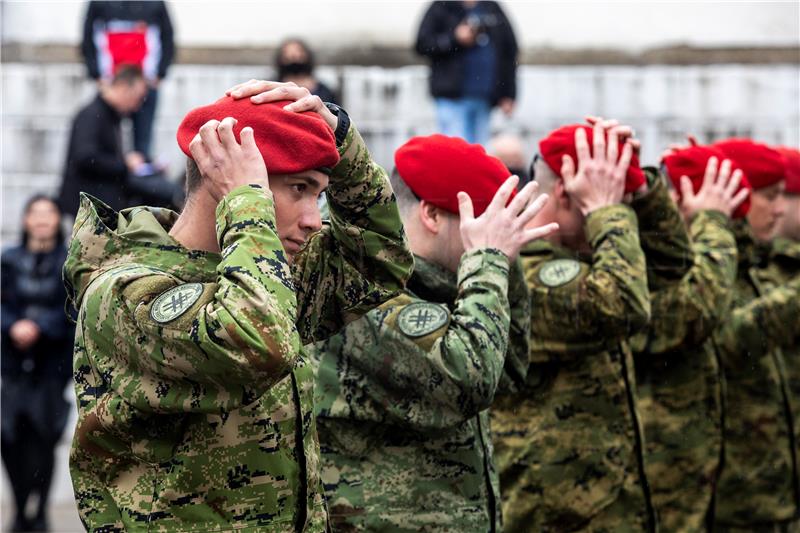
point(248, 203)
point(475, 261)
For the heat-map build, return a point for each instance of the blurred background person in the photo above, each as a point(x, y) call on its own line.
point(294, 62)
point(37, 358)
point(508, 148)
point(138, 33)
point(473, 54)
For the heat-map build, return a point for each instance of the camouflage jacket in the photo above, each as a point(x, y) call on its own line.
point(568, 444)
point(759, 481)
point(402, 398)
point(194, 398)
point(662, 233)
point(678, 379)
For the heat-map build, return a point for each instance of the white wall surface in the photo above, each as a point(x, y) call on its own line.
point(563, 24)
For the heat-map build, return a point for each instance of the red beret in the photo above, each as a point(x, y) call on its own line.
point(289, 142)
point(692, 162)
point(762, 164)
point(791, 164)
point(437, 167)
point(561, 142)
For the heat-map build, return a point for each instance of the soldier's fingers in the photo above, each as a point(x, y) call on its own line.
point(540, 232)
point(613, 145)
point(249, 146)
point(465, 209)
point(198, 151)
point(210, 138)
point(692, 139)
point(523, 198)
point(582, 147)
point(593, 119)
point(283, 92)
point(599, 143)
point(249, 88)
point(710, 173)
point(533, 209)
point(687, 192)
point(502, 195)
point(723, 174)
point(625, 158)
point(568, 168)
point(740, 197)
point(225, 132)
point(311, 102)
point(733, 183)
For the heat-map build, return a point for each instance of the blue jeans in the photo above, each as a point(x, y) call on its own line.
point(143, 123)
point(464, 117)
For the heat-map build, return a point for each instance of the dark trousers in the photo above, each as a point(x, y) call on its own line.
point(143, 123)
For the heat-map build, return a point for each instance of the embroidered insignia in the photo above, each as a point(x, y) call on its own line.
point(420, 319)
point(559, 271)
point(174, 302)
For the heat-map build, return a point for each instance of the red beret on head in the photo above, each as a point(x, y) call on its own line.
point(762, 165)
point(791, 166)
point(289, 142)
point(561, 142)
point(437, 167)
point(691, 162)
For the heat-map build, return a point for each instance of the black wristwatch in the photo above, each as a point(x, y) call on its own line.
point(343, 124)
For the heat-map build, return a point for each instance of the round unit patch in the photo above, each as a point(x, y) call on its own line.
point(420, 319)
point(557, 272)
point(174, 302)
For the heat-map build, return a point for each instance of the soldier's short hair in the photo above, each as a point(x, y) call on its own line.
point(193, 176)
point(406, 199)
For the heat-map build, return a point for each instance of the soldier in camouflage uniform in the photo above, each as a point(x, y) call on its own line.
point(677, 373)
point(758, 486)
point(402, 394)
point(568, 444)
point(194, 397)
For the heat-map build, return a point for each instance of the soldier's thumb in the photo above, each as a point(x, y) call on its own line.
point(686, 188)
point(465, 209)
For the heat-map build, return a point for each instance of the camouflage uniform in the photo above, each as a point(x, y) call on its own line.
point(195, 407)
point(758, 484)
point(568, 443)
point(402, 398)
point(678, 379)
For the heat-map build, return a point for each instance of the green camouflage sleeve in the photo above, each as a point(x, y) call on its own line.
point(769, 322)
point(687, 313)
point(358, 260)
point(415, 376)
point(607, 300)
point(235, 340)
point(665, 240)
point(519, 335)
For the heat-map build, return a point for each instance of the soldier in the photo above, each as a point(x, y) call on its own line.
point(195, 400)
point(568, 444)
point(677, 373)
point(758, 486)
point(402, 394)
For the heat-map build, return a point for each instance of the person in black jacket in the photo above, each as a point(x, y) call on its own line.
point(294, 62)
point(95, 161)
point(37, 341)
point(139, 33)
point(473, 56)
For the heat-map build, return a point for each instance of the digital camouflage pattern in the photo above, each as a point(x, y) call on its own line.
point(679, 382)
point(758, 483)
point(402, 402)
point(199, 417)
point(662, 233)
point(568, 444)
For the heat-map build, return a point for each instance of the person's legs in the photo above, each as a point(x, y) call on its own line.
point(143, 123)
point(450, 114)
point(480, 111)
point(15, 460)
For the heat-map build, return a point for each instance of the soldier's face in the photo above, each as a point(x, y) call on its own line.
point(766, 209)
point(789, 225)
point(296, 209)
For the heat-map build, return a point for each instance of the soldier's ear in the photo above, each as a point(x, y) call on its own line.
point(430, 216)
point(560, 195)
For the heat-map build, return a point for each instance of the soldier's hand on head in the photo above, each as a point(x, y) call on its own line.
point(262, 92)
point(502, 226)
point(718, 190)
point(600, 179)
point(224, 163)
point(677, 147)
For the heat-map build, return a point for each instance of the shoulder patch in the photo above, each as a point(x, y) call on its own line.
point(173, 303)
point(422, 318)
point(557, 272)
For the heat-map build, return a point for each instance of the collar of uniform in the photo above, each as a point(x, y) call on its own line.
point(433, 283)
point(752, 253)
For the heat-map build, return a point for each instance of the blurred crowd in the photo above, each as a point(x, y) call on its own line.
point(700, 433)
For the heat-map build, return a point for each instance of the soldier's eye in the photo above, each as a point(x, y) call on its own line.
point(300, 187)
